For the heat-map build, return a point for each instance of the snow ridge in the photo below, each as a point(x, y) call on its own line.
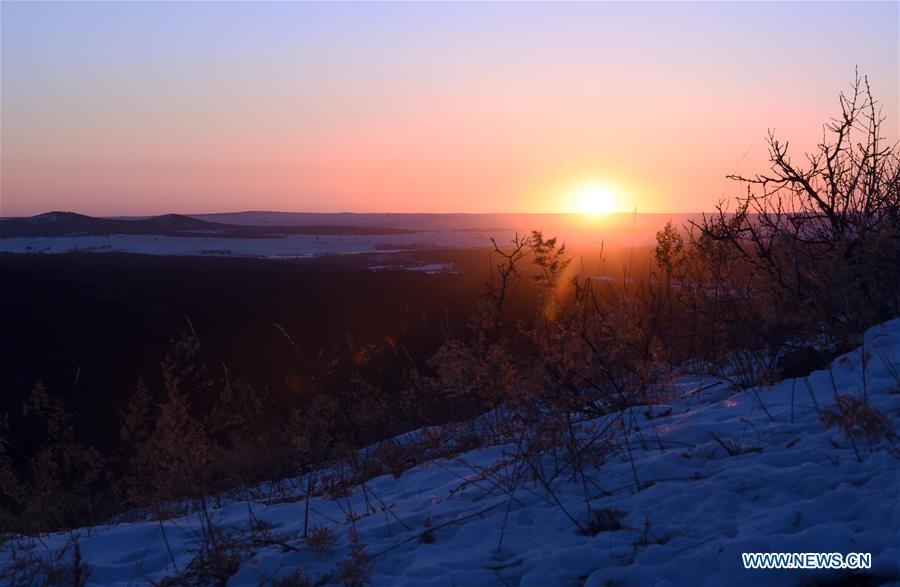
point(719, 473)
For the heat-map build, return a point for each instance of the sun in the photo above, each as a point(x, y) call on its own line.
point(595, 199)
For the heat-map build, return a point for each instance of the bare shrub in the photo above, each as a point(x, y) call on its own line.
point(12, 490)
point(250, 438)
point(321, 540)
point(807, 253)
point(856, 418)
point(604, 520)
point(585, 351)
point(29, 566)
point(217, 555)
point(296, 578)
point(356, 569)
point(62, 471)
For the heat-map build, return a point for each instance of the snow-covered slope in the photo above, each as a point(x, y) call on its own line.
point(721, 474)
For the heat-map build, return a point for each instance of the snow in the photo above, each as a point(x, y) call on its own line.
point(284, 247)
point(432, 231)
point(784, 484)
point(429, 268)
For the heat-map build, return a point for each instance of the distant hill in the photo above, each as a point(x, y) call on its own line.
point(73, 224)
point(550, 222)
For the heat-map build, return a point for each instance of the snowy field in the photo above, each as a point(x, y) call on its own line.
point(430, 231)
point(720, 473)
point(286, 247)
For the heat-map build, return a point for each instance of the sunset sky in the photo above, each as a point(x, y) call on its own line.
point(115, 108)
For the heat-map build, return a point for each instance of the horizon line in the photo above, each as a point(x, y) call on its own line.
point(151, 215)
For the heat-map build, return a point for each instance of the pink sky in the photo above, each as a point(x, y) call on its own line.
point(143, 108)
